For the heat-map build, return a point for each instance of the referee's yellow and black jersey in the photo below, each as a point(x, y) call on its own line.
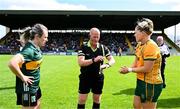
point(149, 51)
point(31, 67)
point(89, 53)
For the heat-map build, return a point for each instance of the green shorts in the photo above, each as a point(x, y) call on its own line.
point(148, 92)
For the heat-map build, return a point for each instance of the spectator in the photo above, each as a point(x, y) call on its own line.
point(164, 54)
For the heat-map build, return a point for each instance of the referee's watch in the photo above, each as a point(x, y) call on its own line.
point(93, 60)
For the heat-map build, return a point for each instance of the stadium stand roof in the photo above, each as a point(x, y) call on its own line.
point(108, 20)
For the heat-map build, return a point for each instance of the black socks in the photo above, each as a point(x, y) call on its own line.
point(96, 105)
point(81, 106)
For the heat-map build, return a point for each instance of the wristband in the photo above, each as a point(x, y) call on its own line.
point(93, 60)
point(129, 69)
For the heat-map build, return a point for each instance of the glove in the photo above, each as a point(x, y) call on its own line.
point(104, 66)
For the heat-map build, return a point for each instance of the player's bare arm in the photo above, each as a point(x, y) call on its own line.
point(14, 66)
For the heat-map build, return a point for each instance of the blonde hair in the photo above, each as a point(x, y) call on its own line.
point(145, 25)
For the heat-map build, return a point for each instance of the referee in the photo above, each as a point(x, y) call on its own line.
point(90, 59)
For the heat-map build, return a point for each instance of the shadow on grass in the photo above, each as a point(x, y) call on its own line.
point(162, 103)
point(129, 91)
point(7, 88)
point(169, 103)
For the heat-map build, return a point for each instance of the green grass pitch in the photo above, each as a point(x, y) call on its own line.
point(59, 84)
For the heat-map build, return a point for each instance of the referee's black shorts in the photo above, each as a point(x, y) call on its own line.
point(26, 99)
point(91, 83)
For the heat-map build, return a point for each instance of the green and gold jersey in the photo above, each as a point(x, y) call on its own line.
point(31, 67)
point(147, 52)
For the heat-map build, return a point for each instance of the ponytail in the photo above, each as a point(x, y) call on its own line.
point(25, 35)
point(29, 33)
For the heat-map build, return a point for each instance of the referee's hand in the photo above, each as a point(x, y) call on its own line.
point(104, 66)
point(98, 58)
